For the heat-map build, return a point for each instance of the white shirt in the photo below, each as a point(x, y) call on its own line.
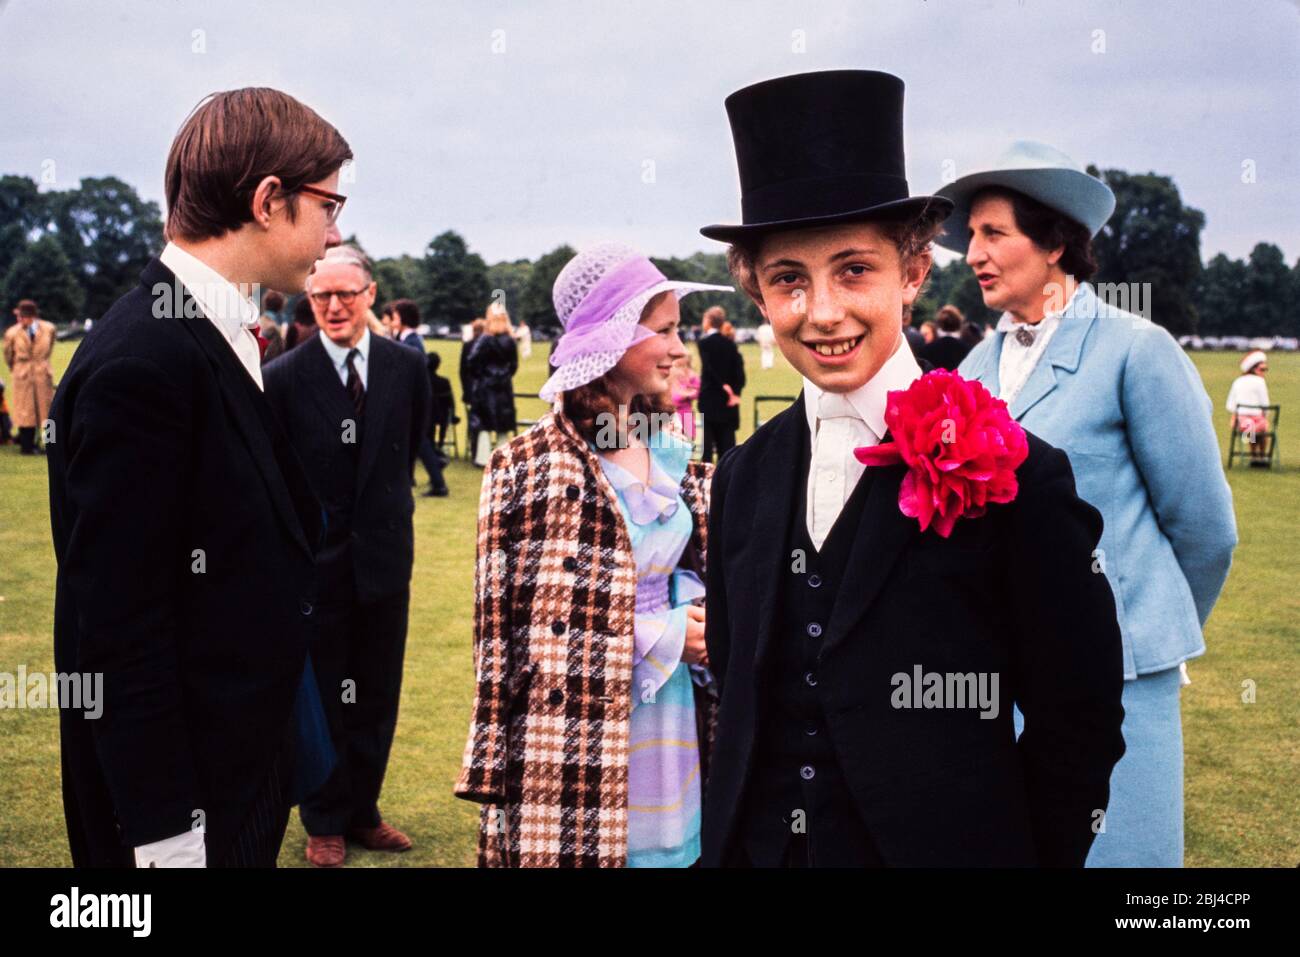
point(1017, 361)
point(1250, 392)
point(839, 423)
point(233, 313)
point(339, 356)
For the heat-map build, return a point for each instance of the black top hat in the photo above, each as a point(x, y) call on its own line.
point(820, 148)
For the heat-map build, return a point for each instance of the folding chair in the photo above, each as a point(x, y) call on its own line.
point(1239, 440)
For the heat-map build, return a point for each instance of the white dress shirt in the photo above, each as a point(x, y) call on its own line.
point(839, 423)
point(1017, 361)
point(233, 313)
point(339, 356)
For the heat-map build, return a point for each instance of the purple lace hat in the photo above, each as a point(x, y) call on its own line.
point(598, 296)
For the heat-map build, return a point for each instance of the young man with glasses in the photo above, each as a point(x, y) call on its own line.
point(174, 496)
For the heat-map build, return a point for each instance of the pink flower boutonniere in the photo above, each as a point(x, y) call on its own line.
point(961, 447)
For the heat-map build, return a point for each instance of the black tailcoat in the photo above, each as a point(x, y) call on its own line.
point(1013, 593)
point(184, 530)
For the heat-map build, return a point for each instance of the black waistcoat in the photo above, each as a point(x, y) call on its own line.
point(797, 787)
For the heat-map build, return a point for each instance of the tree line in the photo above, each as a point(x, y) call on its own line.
point(75, 251)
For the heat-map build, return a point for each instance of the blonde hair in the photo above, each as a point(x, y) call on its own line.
point(497, 321)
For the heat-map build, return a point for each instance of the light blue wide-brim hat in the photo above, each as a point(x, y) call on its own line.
point(1039, 172)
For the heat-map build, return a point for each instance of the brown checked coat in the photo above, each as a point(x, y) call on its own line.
point(555, 586)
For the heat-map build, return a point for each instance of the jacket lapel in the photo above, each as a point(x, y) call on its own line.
point(882, 535)
point(237, 392)
point(1063, 352)
point(379, 392)
point(321, 379)
point(768, 542)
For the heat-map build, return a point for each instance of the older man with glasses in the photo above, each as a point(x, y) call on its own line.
point(356, 407)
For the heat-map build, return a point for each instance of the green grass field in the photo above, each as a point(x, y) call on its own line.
point(1243, 760)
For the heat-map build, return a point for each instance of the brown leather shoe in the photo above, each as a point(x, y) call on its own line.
point(326, 851)
point(385, 837)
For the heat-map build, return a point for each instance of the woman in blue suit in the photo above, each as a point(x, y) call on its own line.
point(1118, 395)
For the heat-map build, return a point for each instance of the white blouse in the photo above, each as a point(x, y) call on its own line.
point(1249, 391)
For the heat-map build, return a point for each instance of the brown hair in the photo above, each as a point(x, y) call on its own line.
point(950, 318)
point(27, 307)
point(713, 317)
point(912, 236)
point(273, 301)
point(585, 406)
point(1048, 229)
point(406, 310)
point(229, 144)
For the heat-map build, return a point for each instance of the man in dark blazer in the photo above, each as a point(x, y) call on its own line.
point(867, 668)
point(721, 368)
point(407, 320)
point(948, 348)
point(175, 499)
point(357, 408)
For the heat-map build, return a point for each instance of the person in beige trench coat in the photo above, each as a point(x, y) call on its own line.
point(28, 345)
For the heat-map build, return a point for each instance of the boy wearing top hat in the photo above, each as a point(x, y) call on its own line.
point(869, 626)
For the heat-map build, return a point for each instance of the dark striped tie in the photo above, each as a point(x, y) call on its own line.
point(356, 390)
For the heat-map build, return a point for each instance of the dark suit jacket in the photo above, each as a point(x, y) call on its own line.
point(412, 340)
point(720, 363)
point(946, 352)
point(1011, 593)
point(184, 531)
point(365, 488)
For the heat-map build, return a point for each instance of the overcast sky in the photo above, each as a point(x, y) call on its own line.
point(526, 125)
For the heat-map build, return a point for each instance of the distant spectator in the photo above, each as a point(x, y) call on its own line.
point(273, 306)
point(404, 320)
point(947, 349)
point(914, 337)
point(302, 325)
point(929, 332)
point(1247, 401)
point(28, 345)
point(524, 339)
point(972, 334)
point(493, 362)
point(444, 405)
point(722, 378)
point(474, 331)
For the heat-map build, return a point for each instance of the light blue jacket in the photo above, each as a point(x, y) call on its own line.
point(1117, 394)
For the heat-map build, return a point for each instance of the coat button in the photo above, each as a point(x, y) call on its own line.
point(810, 679)
point(305, 608)
point(396, 447)
point(814, 581)
point(557, 628)
point(556, 696)
point(811, 730)
point(570, 564)
point(807, 772)
point(814, 630)
point(571, 493)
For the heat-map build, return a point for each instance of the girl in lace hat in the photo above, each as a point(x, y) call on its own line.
point(593, 703)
